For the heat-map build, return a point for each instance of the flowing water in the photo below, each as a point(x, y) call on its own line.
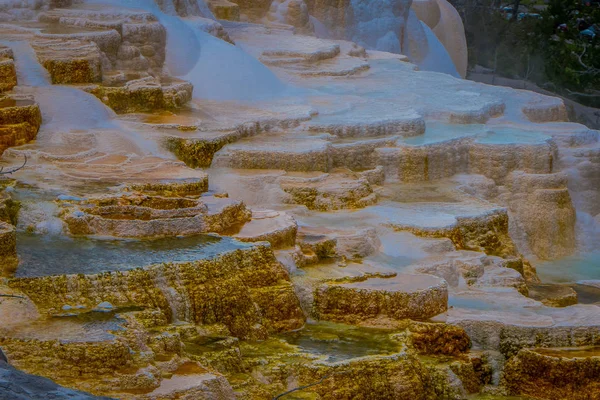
point(584, 265)
point(226, 72)
point(183, 49)
point(187, 7)
point(437, 59)
point(205, 10)
point(321, 30)
point(376, 25)
point(217, 69)
point(382, 25)
point(29, 71)
point(66, 108)
point(62, 107)
point(221, 71)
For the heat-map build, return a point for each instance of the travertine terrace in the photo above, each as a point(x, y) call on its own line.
point(233, 199)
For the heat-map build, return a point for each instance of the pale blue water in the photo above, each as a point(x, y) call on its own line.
point(436, 132)
point(476, 303)
point(205, 10)
point(506, 135)
point(225, 72)
point(85, 327)
point(62, 107)
point(437, 58)
point(29, 71)
point(571, 269)
point(55, 255)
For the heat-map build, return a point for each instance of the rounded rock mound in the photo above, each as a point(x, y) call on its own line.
point(405, 296)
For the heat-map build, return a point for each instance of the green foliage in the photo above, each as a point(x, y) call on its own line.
point(497, 42)
point(572, 61)
point(562, 60)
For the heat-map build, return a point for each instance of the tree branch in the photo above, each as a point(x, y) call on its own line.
point(588, 69)
point(515, 12)
point(12, 171)
point(583, 94)
point(12, 296)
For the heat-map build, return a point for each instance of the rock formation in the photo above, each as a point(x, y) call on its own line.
point(400, 26)
point(239, 199)
point(144, 216)
point(445, 22)
point(20, 120)
point(566, 373)
point(8, 73)
point(21, 386)
point(291, 12)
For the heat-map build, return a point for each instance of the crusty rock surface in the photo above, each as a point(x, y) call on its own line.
point(17, 385)
point(138, 215)
point(553, 295)
point(551, 235)
point(246, 290)
point(428, 338)
point(144, 95)
point(404, 296)
point(330, 191)
point(8, 73)
point(20, 120)
point(8, 248)
point(70, 61)
point(370, 195)
point(568, 373)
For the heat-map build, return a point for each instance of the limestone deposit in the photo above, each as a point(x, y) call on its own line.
point(235, 199)
point(20, 120)
point(153, 216)
point(8, 73)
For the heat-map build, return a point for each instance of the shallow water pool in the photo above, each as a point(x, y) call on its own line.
point(86, 327)
point(338, 342)
point(571, 269)
point(508, 135)
point(441, 132)
point(55, 255)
